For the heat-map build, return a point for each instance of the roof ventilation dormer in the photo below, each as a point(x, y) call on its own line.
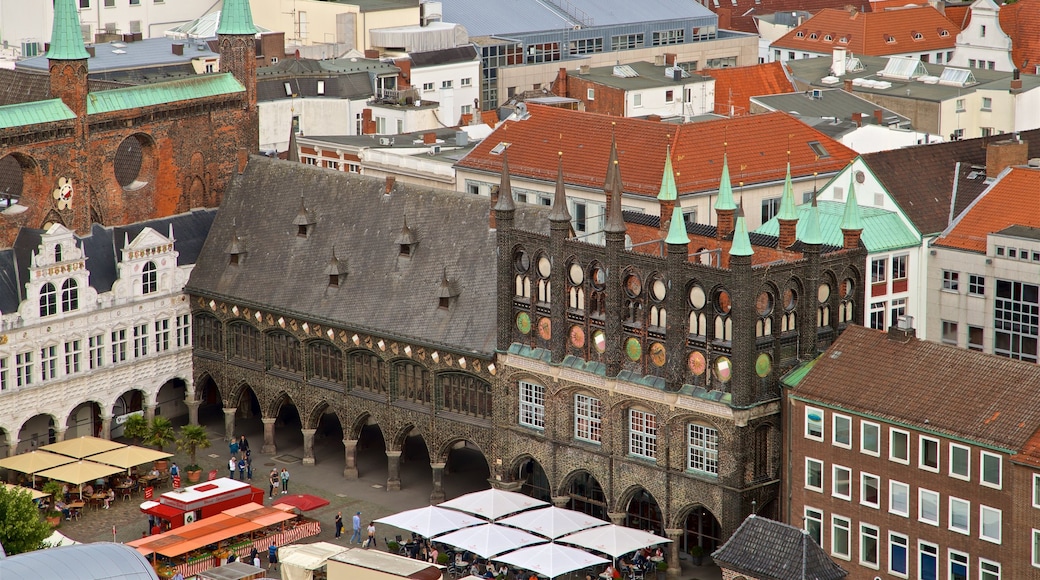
point(336, 270)
point(236, 248)
point(448, 291)
point(304, 221)
point(406, 240)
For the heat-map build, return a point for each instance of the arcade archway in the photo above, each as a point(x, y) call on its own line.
point(643, 513)
point(36, 432)
point(586, 495)
point(535, 482)
point(84, 420)
point(465, 470)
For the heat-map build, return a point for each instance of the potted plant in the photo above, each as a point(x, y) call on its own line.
point(442, 559)
point(160, 433)
point(393, 547)
point(53, 515)
point(136, 428)
point(662, 568)
point(192, 438)
point(697, 554)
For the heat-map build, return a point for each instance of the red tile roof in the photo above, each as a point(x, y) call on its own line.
point(642, 234)
point(734, 87)
point(1013, 200)
point(740, 14)
point(873, 33)
point(1030, 453)
point(1021, 21)
point(756, 149)
point(487, 117)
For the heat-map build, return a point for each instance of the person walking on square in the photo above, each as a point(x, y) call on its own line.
point(285, 481)
point(273, 483)
point(371, 541)
point(242, 468)
point(339, 524)
point(272, 556)
point(249, 465)
point(233, 446)
point(356, 538)
point(231, 465)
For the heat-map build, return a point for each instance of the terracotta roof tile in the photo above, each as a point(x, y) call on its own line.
point(487, 117)
point(740, 14)
point(945, 389)
point(1021, 21)
point(1030, 453)
point(756, 148)
point(735, 86)
point(873, 33)
point(1013, 200)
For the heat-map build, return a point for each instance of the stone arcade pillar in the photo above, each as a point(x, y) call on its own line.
point(506, 485)
point(149, 413)
point(229, 423)
point(561, 501)
point(106, 427)
point(59, 435)
point(617, 518)
point(674, 568)
point(350, 455)
point(193, 412)
point(12, 446)
point(308, 446)
point(269, 446)
point(437, 496)
point(393, 470)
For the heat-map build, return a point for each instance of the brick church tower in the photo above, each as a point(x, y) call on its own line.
point(236, 36)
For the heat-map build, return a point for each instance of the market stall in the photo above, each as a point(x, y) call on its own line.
point(186, 505)
point(306, 561)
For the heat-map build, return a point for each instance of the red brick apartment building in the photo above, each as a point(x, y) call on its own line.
point(911, 459)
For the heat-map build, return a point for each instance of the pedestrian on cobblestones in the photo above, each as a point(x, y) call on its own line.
point(339, 524)
point(231, 465)
point(356, 538)
point(233, 446)
point(285, 481)
point(249, 465)
point(242, 468)
point(272, 556)
point(243, 445)
point(273, 483)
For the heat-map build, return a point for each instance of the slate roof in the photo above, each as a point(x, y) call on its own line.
point(24, 86)
point(443, 56)
point(867, 372)
point(872, 33)
point(921, 178)
point(353, 86)
point(770, 550)
point(735, 86)
point(883, 230)
point(100, 560)
point(757, 143)
point(831, 103)
point(1021, 21)
point(1012, 200)
point(381, 293)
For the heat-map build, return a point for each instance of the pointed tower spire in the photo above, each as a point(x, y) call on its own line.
point(810, 233)
point(741, 241)
point(294, 152)
point(852, 219)
point(677, 228)
point(559, 212)
point(725, 207)
point(615, 221)
point(608, 183)
point(66, 37)
point(236, 18)
point(787, 217)
point(505, 189)
point(668, 195)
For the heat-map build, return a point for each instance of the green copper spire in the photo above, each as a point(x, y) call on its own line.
point(725, 201)
point(677, 229)
point(810, 233)
point(741, 241)
point(853, 218)
point(66, 38)
point(787, 210)
point(236, 18)
point(668, 192)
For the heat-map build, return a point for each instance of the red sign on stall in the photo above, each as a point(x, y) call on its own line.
point(148, 492)
point(212, 475)
point(176, 481)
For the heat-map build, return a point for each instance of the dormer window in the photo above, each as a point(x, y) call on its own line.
point(304, 220)
point(301, 231)
point(447, 293)
point(336, 270)
point(443, 302)
point(406, 240)
point(814, 36)
point(944, 33)
point(828, 38)
point(800, 34)
point(149, 278)
point(236, 248)
point(918, 36)
point(844, 40)
point(890, 39)
point(406, 250)
point(57, 253)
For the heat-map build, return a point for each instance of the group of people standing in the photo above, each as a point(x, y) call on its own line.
point(355, 538)
point(241, 459)
point(278, 480)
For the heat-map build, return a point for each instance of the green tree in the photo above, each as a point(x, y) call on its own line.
point(160, 433)
point(136, 428)
point(21, 529)
point(192, 438)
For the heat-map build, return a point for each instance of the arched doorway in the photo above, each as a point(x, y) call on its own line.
point(288, 426)
point(248, 416)
point(371, 453)
point(84, 420)
point(643, 513)
point(328, 438)
point(701, 529)
point(535, 482)
point(36, 432)
point(169, 402)
point(586, 495)
point(415, 462)
point(127, 404)
point(211, 406)
point(465, 470)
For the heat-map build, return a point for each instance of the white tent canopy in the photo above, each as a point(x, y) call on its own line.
point(489, 540)
point(551, 560)
point(298, 562)
point(493, 503)
point(430, 521)
point(613, 540)
point(552, 522)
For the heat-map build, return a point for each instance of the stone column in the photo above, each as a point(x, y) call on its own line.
point(506, 485)
point(674, 566)
point(59, 435)
point(350, 455)
point(229, 423)
point(193, 412)
point(308, 446)
point(617, 518)
point(106, 427)
point(561, 501)
point(269, 446)
point(393, 470)
point(149, 413)
point(437, 496)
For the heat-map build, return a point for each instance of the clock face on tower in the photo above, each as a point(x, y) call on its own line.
point(577, 337)
point(545, 328)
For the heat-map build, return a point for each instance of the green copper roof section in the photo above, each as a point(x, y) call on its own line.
point(794, 378)
point(677, 229)
point(853, 218)
point(236, 18)
point(66, 37)
point(809, 228)
point(725, 200)
point(668, 191)
point(883, 230)
point(741, 241)
point(34, 112)
point(198, 87)
point(787, 210)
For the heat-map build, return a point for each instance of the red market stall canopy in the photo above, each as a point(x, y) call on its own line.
point(304, 502)
point(217, 528)
point(263, 515)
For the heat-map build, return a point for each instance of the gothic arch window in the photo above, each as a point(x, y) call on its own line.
point(48, 300)
point(847, 306)
point(413, 383)
point(698, 320)
point(245, 342)
point(57, 252)
point(367, 371)
point(284, 352)
point(658, 316)
point(149, 278)
point(209, 333)
point(823, 310)
point(465, 394)
point(576, 293)
point(522, 265)
point(764, 309)
point(69, 295)
point(325, 361)
point(789, 319)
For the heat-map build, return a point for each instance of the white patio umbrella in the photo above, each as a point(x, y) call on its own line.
point(550, 560)
point(493, 503)
point(430, 521)
point(489, 539)
point(552, 522)
point(613, 540)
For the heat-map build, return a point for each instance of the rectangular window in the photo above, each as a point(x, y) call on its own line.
point(842, 431)
point(987, 104)
point(898, 309)
point(446, 84)
point(162, 335)
point(870, 438)
point(951, 280)
point(840, 540)
point(96, 351)
point(3, 374)
point(814, 524)
point(988, 570)
point(666, 37)
point(1036, 490)
point(140, 340)
point(814, 423)
point(989, 524)
point(48, 362)
point(73, 354)
point(958, 565)
point(899, 267)
point(877, 315)
point(975, 334)
point(960, 515)
point(1036, 548)
point(427, 87)
point(949, 332)
point(703, 449)
point(927, 560)
point(532, 405)
point(588, 421)
point(899, 446)
point(869, 490)
point(929, 453)
point(976, 285)
point(960, 461)
point(1016, 322)
point(898, 545)
point(878, 270)
point(590, 94)
point(814, 474)
point(960, 103)
point(899, 498)
point(669, 96)
point(586, 45)
point(928, 506)
point(991, 469)
point(466, 82)
point(637, 100)
point(183, 330)
point(841, 478)
point(626, 41)
point(868, 546)
point(642, 434)
point(769, 208)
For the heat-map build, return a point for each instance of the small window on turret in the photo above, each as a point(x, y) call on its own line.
point(406, 249)
point(301, 231)
point(57, 253)
point(334, 280)
point(443, 302)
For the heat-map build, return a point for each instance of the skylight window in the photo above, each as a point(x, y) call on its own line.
point(957, 77)
point(288, 90)
point(890, 39)
point(814, 36)
point(500, 148)
point(818, 149)
point(944, 33)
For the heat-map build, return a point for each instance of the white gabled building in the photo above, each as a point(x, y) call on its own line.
point(982, 44)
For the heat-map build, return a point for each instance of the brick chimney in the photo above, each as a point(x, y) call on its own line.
point(178, 48)
point(371, 53)
point(788, 233)
point(850, 239)
point(559, 87)
point(429, 138)
point(1016, 80)
point(368, 125)
point(404, 78)
point(655, 118)
point(857, 117)
point(390, 180)
point(669, 58)
point(1003, 154)
point(848, 85)
point(878, 118)
point(726, 218)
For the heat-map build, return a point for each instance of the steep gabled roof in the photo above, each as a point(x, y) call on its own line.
point(740, 14)
point(735, 86)
point(1021, 21)
point(1013, 200)
point(873, 33)
point(770, 550)
point(883, 230)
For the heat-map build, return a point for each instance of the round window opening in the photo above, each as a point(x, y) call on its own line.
point(131, 162)
point(599, 277)
point(722, 302)
point(764, 304)
point(576, 274)
point(790, 299)
point(847, 287)
point(658, 290)
point(633, 286)
point(522, 261)
point(697, 297)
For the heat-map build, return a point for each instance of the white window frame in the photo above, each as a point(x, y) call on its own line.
point(967, 452)
point(966, 560)
point(864, 533)
point(841, 522)
point(892, 485)
point(963, 506)
point(835, 418)
point(808, 422)
point(994, 573)
point(590, 94)
point(1035, 548)
point(96, 351)
point(983, 455)
point(532, 405)
point(891, 445)
point(834, 482)
point(703, 446)
point(921, 441)
point(1036, 490)
point(921, 493)
point(49, 362)
point(816, 515)
point(809, 460)
point(23, 363)
point(903, 541)
point(73, 356)
point(983, 509)
point(864, 477)
point(933, 551)
point(587, 409)
point(642, 442)
point(3, 374)
point(863, 426)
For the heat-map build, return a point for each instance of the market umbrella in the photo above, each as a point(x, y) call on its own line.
point(552, 522)
point(430, 521)
point(34, 462)
point(36, 494)
point(303, 501)
point(493, 503)
point(550, 560)
point(129, 456)
point(80, 472)
point(81, 447)
point(613, 539)
point(489, 539)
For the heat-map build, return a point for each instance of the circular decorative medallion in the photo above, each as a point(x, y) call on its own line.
point(860, 177)
point(847, 286)
point(722, 302)
point(545, 328)
point(576, 274)
point(633, 349)
point(764, 304)
point(697, 297)
point(763, 365)
point(544, 267)
point(790, 299)
point(824, 293)
point(633, 286)
point(657, 354)
point(523, 322)
point(577, 337)
point(723, 369)
point(697, 363)
point(599, 340)
point(658, 290)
